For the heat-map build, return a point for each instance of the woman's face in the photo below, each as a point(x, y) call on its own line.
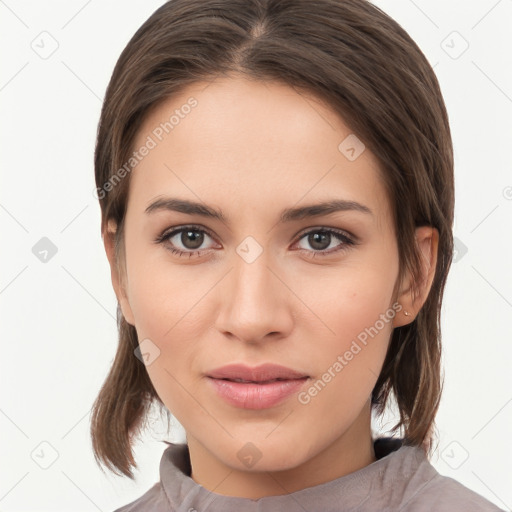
point(264, 283)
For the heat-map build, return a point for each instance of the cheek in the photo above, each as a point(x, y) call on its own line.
point(167, 307)
point(348, 362)
point(172, 308)
point(347, 301)
point(163, 295)
point(352, 324)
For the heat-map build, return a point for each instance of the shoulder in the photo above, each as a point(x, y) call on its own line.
point(443, 493)
point(153, 500)
point(417, 486)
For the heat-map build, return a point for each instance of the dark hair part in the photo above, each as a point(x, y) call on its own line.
point(365, 67)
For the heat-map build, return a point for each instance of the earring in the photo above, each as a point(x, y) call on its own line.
point(405, 313)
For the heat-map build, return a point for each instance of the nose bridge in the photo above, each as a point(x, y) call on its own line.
point(255, 301)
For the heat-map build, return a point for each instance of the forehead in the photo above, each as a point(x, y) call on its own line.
point(248, 144)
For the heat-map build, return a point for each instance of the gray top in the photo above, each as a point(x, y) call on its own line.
point(401, 479)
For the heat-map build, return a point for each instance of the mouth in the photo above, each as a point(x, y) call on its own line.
point(261, 387)
point(259, 374)
point(270, 381)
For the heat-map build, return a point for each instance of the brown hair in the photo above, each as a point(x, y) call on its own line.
point(368, 70)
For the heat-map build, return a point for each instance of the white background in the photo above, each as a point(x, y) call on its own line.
point(58, 329)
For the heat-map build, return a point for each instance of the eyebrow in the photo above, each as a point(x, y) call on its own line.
point(287, 215)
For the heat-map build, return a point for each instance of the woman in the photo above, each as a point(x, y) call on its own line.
point(276, 186)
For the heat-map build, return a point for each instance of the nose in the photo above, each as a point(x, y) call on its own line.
point(256, 303)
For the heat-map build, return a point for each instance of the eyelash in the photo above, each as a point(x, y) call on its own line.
point(341, 235)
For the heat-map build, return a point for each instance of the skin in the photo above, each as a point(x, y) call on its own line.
point(252, 149)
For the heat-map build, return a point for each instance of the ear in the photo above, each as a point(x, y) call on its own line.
point(116, 270)
point(427, 240)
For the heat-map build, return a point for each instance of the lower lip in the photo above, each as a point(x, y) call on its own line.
point(256, 396)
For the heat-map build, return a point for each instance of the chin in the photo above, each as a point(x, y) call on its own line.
point(257, 454)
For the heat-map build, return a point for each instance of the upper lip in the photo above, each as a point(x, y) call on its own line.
point(260, 373)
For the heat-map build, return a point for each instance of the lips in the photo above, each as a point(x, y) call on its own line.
point(261, 387)
point(265, 373)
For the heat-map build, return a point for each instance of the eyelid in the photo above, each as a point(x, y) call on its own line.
point(170, 232)
point(339, 231)
point(175, 229)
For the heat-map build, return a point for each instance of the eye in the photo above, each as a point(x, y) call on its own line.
point(186, 240)
point(320, 239)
